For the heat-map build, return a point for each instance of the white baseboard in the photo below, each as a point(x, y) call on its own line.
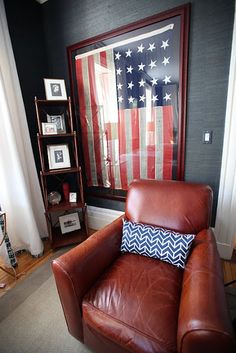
point(100, 217)
point(225, 251)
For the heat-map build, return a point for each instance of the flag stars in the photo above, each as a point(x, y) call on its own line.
point(130, 85)
point(117, 56)
point(151, 47)
point(120, 99)
point(166, 60)
point(167, 97)
point(141, 67)
point(118, 71)
point(154, 98)
point(152, 64)
point(119, 86)
point(165, 44)
point(129, 69)
point(167, 79)
point(141, 83)
point(141, 48)
point(154, 81)
point(128, 53)
point(142, 98)
point(131, 99)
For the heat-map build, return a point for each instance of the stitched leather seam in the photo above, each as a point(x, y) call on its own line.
point(206, 330)
point(60, 264)
point(131, 327)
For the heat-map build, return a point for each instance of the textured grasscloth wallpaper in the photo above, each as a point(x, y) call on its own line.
point(66, 22)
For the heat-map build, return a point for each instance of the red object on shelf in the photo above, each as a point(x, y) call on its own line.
point(66, 191)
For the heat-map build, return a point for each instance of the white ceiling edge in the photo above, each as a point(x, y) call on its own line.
point(41, 1)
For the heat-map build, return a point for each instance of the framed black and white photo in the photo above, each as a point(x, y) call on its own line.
point(49, 128)
point(55, 89)
point(69, 222)
point(58, 156)
point(72, 196)
point(59, 120)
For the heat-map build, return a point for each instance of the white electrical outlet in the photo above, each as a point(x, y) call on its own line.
point(207, 136)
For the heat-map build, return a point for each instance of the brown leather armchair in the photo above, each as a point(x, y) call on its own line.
point(126, 303)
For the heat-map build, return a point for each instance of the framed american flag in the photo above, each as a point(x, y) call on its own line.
point(129, 93)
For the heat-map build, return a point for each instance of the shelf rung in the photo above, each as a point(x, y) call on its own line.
point(63, 206)
point(61, 171)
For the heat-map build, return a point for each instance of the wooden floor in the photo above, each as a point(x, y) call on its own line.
point(229, 269)
point(27, 264)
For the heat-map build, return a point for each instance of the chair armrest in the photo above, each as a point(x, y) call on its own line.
point(204, 325)
point(76, 271)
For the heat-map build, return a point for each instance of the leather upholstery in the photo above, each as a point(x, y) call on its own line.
point(120, 303)
point(203, 287)
point(183, 207)
point(126, 305)
point(77, 270)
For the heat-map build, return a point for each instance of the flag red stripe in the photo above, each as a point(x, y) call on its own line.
point(135, 143)
point(82, 106)
point(122, 150)
point(103, 59)
point(168, 141)
point(94, 107)
point(103, 62)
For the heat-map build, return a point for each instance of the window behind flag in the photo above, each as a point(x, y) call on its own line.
point(129, 106)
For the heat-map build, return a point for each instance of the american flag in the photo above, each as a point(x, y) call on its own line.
point(128, 99)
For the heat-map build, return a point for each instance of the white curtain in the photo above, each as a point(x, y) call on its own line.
point(225, 227)
point(20, 195)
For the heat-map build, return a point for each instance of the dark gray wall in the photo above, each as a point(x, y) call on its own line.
point(69, 21)
point(27, 37)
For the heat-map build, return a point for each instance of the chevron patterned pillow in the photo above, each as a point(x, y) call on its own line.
point(160, 243)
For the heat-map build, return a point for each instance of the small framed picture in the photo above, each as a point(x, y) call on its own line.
point(58, 156)
point(69, 222)
point(55, 89)
point(72, 197)
point(59, 120)
point(49, 128)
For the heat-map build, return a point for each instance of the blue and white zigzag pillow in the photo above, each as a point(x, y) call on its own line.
point(160, 243)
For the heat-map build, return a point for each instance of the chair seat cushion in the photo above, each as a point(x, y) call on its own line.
point(135, 304)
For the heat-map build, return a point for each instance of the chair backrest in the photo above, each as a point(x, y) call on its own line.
point(180, 206)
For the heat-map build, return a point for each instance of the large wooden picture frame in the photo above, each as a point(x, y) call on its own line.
point(129, 91)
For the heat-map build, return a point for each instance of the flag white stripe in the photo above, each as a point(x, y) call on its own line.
point(143, 147)
point(101, 113)
point(129, 152)
point(127, 41)
point(158, 113)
